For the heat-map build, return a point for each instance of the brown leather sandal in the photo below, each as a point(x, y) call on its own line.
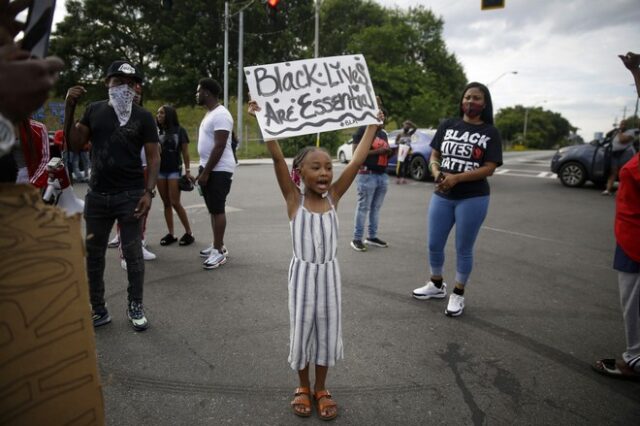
point(301, 400)
point(324, 400)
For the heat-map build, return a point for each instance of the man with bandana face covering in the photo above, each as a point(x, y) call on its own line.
point(118, 129)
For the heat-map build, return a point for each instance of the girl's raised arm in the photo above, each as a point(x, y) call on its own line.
point(359, 156)
point(287, 187)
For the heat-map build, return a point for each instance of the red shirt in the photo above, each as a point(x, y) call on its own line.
point(627, 222)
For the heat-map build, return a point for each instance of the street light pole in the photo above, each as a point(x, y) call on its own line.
point(500, 76)
point(526, 120)
point(226, 54)
point(316, 47)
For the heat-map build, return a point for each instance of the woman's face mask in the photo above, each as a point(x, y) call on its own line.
point(121, 99)
point(471, 109)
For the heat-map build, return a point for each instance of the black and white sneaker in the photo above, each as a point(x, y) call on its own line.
point(358, 246)
point(100, 317)
point(135, 313)
point(376, 242)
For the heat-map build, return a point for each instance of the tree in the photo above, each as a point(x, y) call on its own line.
point(409, 65)
point(174, 47)
point(545, 129)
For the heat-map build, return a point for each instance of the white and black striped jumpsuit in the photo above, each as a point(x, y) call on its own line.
point(314, 289)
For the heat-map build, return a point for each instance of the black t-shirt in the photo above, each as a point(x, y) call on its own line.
point(375, 163)
point(115, 150)
point(171, 143)
point(463, 147)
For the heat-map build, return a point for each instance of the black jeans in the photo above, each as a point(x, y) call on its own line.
point(100, 212)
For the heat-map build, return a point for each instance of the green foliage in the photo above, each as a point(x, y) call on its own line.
point(545, 129)
point(411, 69)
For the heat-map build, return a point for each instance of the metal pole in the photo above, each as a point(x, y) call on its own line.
point(316, 47)
point(524, 131)
point(226, 54)
point(240, 102)
point(316, 43)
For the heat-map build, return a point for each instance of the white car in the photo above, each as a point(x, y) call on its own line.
point(345, 151)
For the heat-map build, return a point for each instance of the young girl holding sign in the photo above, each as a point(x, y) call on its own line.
point(314, 273)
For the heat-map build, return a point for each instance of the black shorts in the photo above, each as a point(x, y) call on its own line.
point(216, 191)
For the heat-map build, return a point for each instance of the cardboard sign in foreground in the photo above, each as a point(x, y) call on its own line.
point(48, 365)
point(312, 96)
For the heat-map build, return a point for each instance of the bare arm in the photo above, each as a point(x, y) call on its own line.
point(450, 180)
point(76, 135)
point(289, 190)
point(359, 155)
point(632, 62)
point(152, 154)
point(186, 159)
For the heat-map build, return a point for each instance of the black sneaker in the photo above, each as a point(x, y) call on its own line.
point(100, 317)
point(135, 313)
point(376, 242)
point(358, 246)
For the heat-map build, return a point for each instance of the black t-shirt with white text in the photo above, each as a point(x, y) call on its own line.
point(115, 150)
point(171, 143)
point(464, 147)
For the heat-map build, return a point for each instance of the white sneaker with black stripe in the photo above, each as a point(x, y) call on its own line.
point(455, 305)
point(206, 252)
point(215, 260)
point(430, 291)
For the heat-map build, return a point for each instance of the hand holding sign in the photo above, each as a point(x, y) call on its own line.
point(312, 96)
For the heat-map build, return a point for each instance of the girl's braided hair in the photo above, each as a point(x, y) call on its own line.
point(297, 162)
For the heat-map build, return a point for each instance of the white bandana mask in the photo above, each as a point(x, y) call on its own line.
point(121, 99)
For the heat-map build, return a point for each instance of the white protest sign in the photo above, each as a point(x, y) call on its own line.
point(312, 96)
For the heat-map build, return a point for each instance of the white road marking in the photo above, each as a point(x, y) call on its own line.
point(520, 234)
point(228, 209)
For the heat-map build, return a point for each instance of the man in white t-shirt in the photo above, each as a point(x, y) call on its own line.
point(217, 165)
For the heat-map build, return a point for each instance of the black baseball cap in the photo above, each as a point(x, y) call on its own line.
point(124, 69)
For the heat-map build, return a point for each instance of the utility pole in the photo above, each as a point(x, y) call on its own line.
point(240, 102)
point(226, 54)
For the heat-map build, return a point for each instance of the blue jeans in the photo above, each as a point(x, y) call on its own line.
point(371, 191)
point(468, 215)
point(100, 211)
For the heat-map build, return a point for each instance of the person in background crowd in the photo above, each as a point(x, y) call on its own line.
point(621, 151)
point(627, 256)
point(465, 151)
point(403, 141)
point(372, 183)
point(118, 129)
point(174, 143)
point(217, 165)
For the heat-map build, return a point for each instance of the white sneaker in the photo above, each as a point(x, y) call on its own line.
point(123, 264)
point(214, 260)
point(430, 291)
point(206, 252)
point(114, 243)
point(147, 255)
point(455, 305)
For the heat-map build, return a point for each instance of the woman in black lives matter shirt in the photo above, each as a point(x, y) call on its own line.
point(466, 150)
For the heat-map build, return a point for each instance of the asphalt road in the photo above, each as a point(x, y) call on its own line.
point(541, 305)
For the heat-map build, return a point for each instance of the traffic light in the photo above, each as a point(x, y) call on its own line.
point(273, 7)
point(492, 4)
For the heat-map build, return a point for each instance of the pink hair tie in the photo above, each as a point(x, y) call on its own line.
point(295, 177)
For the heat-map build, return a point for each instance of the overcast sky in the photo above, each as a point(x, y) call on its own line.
point(565, 53)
